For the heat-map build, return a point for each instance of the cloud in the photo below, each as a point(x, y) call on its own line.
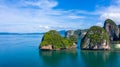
point(45, 27)
point(112, 12)
point(43, 4)
point(59, 27)
point(75, 17)
point(99, 24)
point(40, 16)
point(23, 16)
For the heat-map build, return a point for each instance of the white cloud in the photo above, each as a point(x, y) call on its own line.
point(45, 27)
point(44, 4)
point(111, 12)
point(99, 24)
point(40, 16)
point(75, 17)
point(16, 18)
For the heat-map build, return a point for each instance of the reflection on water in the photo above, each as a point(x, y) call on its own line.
point(78, 43)
point(57, 58)
point(100, 58)
point(22, 51)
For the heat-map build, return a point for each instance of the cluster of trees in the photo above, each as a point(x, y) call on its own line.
point(53, 38)
point(97, 34)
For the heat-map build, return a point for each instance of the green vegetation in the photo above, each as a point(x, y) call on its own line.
point(112, 23)
point(73, 38)
point(97, 34)
point(66, 42)
point(53, 38)
point(95, 38)
point(112, 29)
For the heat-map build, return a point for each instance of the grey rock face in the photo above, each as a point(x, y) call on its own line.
point(95, 39)
point(111, 29)
point(78, 33)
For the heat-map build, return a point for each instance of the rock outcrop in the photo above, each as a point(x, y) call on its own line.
point(83, 33)
point(77, 33)
point(119, 31)
point(70, 34)
point(52, 40)
point(95, 39)
point(111, 29)
point(47, 47)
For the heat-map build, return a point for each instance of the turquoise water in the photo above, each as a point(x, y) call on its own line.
point(22, 51)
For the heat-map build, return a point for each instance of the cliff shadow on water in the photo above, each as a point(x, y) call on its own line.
point(100, 58)
point(78, 43)
point(58, 58)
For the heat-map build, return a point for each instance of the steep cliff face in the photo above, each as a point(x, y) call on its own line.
point(111, 29)
point(76, 33)
point(95, 39)
point(52, 40)
point(119, 31)
point(70, 34)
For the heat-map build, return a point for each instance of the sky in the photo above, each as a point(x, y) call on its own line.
point(29, 16)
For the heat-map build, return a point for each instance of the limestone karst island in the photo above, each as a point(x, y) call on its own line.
point(94, 38)
point(59, 33)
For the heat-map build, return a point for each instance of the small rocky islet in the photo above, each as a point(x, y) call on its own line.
point(52, 40)
point(95, 38)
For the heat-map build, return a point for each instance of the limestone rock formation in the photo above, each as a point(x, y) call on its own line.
point(52, 40)
point(75, 34)
point(95, 39)
point(111, 29)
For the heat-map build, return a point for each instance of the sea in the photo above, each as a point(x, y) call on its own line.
point(23, 51)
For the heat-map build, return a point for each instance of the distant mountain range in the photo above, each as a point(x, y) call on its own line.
point(11, 33)
point(7, 33)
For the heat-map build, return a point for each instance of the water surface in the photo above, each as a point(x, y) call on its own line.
point(22, 51)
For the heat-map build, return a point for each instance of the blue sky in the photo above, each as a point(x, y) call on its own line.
point(43, 15)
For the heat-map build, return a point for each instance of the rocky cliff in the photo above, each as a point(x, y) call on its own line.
point(76, 33)
point(95, 39)
point(52, 40)
point(70, 34)
point(111, 29)
point(119, 31)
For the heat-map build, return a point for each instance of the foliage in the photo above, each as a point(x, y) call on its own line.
point(97, 34)
point(67, 43)
point(53, 38)
point(73, 38)
point(111, 22)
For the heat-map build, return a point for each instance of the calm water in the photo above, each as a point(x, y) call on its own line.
point(22, 51)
